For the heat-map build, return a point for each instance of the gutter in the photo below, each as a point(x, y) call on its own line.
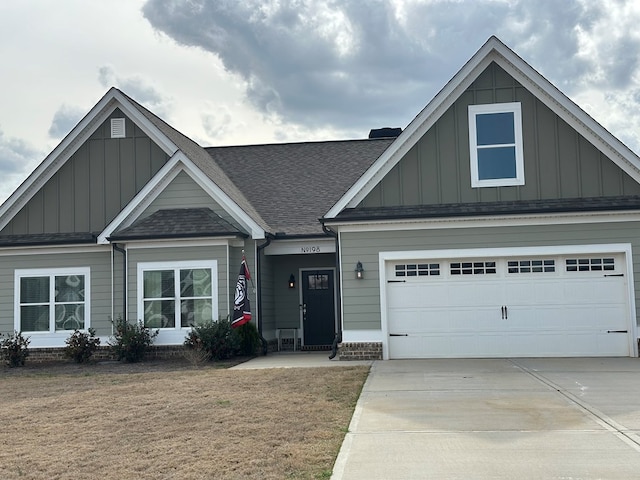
point(259, 249)
point(338, 336)
point(117, 248)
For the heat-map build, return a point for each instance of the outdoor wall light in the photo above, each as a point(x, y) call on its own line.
point(292, 281)
point(359, 271)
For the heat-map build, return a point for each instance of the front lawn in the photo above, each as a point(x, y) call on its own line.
point(89, 421)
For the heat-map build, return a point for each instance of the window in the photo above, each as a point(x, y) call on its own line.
point(318, 282)
point(417, 269)
point(531, 266)
point(178, 295)
point(590, 264)
point(473, 268)
point(53, 300)
point(495, 142)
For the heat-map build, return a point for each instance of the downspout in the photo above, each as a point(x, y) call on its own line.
point(117, 248)
point(265, 345)
point(338, 337)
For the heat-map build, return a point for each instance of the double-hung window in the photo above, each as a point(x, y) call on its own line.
point(177, 295)
point(495, 141)
point(51, 300)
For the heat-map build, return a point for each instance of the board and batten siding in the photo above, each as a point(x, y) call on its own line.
point(361, 298)
point(558, 162)
point(94, 184)
point(99, 263)
point(184, 192)
point(177, 254)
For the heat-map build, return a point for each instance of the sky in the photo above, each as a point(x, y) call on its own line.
point(233, 72)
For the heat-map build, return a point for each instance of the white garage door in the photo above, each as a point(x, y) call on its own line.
point(508, 307)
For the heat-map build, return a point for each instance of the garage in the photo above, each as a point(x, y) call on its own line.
point(522, 305)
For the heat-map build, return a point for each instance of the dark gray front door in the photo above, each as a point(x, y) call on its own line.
point(318, 307)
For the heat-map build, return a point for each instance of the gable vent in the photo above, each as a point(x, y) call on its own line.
point(117, 128)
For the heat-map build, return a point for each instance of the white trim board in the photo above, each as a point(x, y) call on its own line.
point(488, 221)
point(308, 246)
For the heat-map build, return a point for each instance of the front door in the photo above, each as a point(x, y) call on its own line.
point(318, 307)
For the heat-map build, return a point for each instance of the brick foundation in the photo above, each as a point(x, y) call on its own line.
point(103, 353)
point(360, 351)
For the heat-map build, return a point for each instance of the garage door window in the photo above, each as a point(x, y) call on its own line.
point(590, 264)
point(473, 268)
point(531, 266)
point(417, 269)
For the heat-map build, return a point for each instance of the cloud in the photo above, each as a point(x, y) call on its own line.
point(65, 118)
point(137, 88)
point(17, 157)
point(352, 64)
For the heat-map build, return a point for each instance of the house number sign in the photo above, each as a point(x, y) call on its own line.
point(310, 249)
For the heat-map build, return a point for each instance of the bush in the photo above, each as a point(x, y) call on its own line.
point(81, 345)
point(248, 339)
point(15, 349)
point(131, 340)
point(214, 338)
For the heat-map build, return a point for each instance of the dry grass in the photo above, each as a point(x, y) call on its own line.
point(86, 422)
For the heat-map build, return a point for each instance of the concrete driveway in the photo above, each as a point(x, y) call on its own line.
point(496, 419)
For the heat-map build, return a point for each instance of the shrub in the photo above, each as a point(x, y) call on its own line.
point(131, 340)
point(248, 339)
point(81, 345)
point(15, 349)
point(215, 338)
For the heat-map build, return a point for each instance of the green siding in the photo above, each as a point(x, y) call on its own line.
point(99, 263)
point(361, 298)
point(95, 183)
point(558, 162)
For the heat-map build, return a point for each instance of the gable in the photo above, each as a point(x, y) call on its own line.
point(93, 185)
point(184, 192)
point(559, 162)
point(545, 93)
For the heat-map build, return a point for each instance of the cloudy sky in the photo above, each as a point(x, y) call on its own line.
point(230, 72)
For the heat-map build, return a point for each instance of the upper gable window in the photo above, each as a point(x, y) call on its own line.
point(495, 140)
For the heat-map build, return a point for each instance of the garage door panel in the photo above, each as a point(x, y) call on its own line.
point(534, 291)
point(510, 313)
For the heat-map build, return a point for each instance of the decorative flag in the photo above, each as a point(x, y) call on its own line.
point(241, 307)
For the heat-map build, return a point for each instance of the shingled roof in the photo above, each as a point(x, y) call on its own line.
point(292, 185)
point(178, 223)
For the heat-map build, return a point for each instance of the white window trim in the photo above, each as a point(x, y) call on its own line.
point(180, 265)
point(51, 273)
point(475, 110)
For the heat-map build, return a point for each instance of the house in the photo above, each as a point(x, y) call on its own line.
point(503, 221)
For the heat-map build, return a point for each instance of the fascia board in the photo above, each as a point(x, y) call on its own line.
point(178, 163)
point(540, 87)
point(514, 220)
point(72, 142)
